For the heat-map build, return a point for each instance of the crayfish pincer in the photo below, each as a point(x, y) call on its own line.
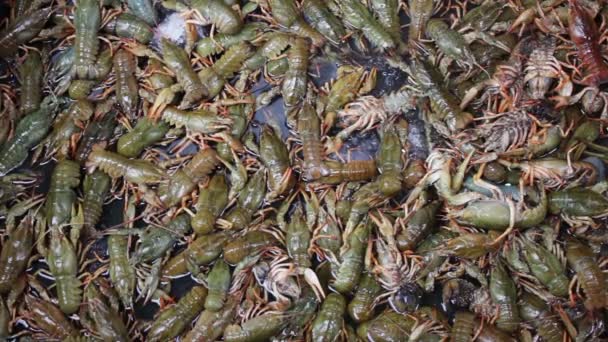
point(63, 264)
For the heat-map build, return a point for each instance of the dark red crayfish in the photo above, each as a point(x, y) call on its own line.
point(583, 32)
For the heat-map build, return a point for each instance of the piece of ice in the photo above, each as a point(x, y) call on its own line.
point(172, 28)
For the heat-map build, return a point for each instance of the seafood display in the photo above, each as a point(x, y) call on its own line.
point(304, 170)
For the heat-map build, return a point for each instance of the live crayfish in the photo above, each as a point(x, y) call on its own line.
point(29, 131)
point(184, 181)
point(542, 264)
point(177, 60)
point(126, 83)
point(87, 20)
point(322, 19)
point(155, 241)
point(328, 323)
point(258, 328)
point(275, 156)
point(129, 26)
point(48, 318)
point(63, 264)
point(212, 200)
point(356, 15)
point(15, 254)
point(214, 45)
point(590, 277)
point(286, 14)
point(202, 251)
point(224, 171)
point(173, 320)
point(220, 14)
point(102, 316)
point(115, 165)
point(225, 67)
point(121, 273)
point(67, 125)
point(295, 82)
point(23, 29)
point(31, 83)
point(210, 324)
point(197, 121)
point(144, 134)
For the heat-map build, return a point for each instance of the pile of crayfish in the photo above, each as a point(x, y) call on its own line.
point(304, 170)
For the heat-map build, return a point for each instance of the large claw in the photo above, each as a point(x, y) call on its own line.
point(20, 209)
point(333, 145)
point(311, 279)
point(163, 99)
